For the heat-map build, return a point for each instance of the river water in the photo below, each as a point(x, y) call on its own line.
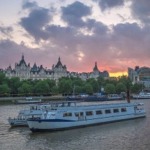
point(125, 135)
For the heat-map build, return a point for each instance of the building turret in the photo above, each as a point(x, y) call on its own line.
point(22, 61)
point(95, 67)
point(59, 64)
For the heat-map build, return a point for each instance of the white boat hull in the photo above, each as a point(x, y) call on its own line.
point(59, 124)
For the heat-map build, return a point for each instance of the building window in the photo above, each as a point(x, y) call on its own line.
point(107, 111)
point(116, 110)
point(98, 112)
point(89, 113)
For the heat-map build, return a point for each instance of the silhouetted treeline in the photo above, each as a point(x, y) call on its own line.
point(65, 86)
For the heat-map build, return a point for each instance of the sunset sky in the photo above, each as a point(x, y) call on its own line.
point(113, 33)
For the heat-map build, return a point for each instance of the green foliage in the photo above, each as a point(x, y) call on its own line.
point(120, 87)
point(78, 90)
point(65, 85)
point(95, 86)
point(41, 88)
point(55, 90)
point(110, 88)
point(4, 90)
point(88, 88)
point(2, 78)
point(77, 81)
point(25, 89)
point(14, 83)
point(136, 88)
point(126, 81)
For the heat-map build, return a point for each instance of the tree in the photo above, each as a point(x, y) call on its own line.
point(110, 88)
point(51, 84)
point(4, 90)
point(136, 88)
point(94, 84)
point(54, 90)
point(77, 81)
point(65, 86)
point(14, 83)
point(88, 88)
point(25, 89)
point(120, 87)
point(41, 88)
point(2, 78)
point(78, 89)
point(101, 82)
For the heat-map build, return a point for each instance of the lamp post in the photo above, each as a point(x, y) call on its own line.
point(74, 90)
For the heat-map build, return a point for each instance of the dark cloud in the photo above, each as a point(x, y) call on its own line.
point(82, 40)
point(127, 45)
point(74, 12)
point(6, 30)
point(36, 21)
point(107, 4)
point(141, 10)
point(128, 30)
point(29, 5)
point(132, 41)
point(96, 27)
point(59, 34)
point(11, 52)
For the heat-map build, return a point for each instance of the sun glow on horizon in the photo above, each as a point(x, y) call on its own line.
point(117, 74)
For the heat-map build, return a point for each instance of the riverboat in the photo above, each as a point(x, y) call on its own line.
point(34, 110)
point(142, 95)
point(88, 98)
point(73, 114)
point(115, 97)
point(28, 100)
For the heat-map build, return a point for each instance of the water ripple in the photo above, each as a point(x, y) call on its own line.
point(126, 135)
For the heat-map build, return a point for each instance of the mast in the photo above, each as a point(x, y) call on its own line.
point(128, 90)
point(128, 95)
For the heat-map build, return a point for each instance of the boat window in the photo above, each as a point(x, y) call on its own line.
point(123, 109)
point(89, 113)
point(107, 111)
point(67, 114)
point(98, 112)
point(81, 113)
point(116, 110)
point(77, 114)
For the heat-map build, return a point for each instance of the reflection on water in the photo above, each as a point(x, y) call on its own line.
point(126, 135)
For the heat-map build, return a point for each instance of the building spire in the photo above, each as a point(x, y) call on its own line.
point(22, 56)
point(59, 59)
point(95, 67)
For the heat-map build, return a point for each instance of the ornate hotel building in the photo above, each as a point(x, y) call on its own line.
point(25, 71)
point(140, 75)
